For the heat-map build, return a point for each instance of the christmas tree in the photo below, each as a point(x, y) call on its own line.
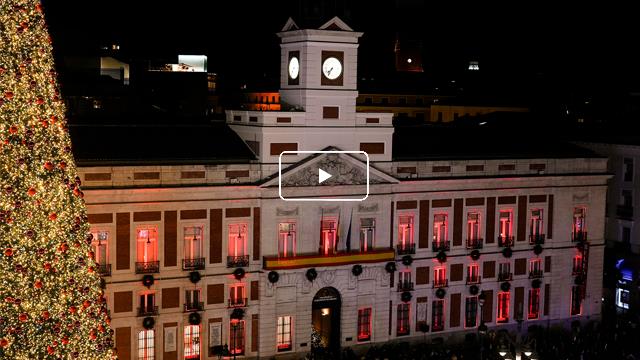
point(51, 300)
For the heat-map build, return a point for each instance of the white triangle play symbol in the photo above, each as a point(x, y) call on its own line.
point(323, 175)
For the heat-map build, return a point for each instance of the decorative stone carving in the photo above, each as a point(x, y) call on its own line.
point(343, 173)
point(330, 210)
point(287, 212)
point(362, 208)
point(328, 277)
point(581, 198)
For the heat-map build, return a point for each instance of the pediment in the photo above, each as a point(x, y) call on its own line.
point(290, 25)
point(344, 168)
point(336, 24)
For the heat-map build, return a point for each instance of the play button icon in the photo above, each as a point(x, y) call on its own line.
point(323, 175)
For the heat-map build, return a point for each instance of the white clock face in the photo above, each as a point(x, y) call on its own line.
point(332, 68)
point(294, 67)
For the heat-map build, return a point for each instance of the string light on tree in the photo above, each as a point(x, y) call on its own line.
point(51, 302)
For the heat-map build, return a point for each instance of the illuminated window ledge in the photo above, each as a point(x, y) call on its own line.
point(320, 260)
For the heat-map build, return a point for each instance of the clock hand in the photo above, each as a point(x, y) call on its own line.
point(329, 71)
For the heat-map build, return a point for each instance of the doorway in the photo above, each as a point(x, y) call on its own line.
point(326, 320)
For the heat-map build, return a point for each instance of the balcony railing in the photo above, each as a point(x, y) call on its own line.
point(320, 260)
point(440, 283)
point(238, 261)
point(406, 249)
point(193, 264)
point(506, 276)
point(193, 306)
point(536, 239)
point(505, 241)
point(577, 270)
point(624, 211)
point(475, 243)
point(148, 311)
point(536, 274)
point(237, 302)
point(474, 279)
point(104, 269)
point(405, 286)
point(579, 236)
point(442, 245)
point(148, 267)
point(438, 325)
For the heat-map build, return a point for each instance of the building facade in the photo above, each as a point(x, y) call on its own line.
point(201, 257)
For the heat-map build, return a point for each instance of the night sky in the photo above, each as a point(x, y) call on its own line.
point(581, 51)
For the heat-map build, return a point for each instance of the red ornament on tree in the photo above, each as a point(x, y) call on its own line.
point(48, 165)
point(8, 252)
point(13, 129)
point(8, 95)
point(31, 191)
point(53, 216)
point(23, 317)
point(73, 309)
point(4, 342)
point(46, 315)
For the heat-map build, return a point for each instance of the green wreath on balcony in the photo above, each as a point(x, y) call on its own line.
point(507, 252)
point(423, 327)
point(442, 256)
point(579, 280)
point(356, 270)
point(406, 296)
point(473, 289)
point(273, 277)
point(194, 277)
point(148, 323)
point(475, 254)
point(505, 286)
point(440, 293)
point(237, 314)
point(195, 318)
point(238, 273)
point(537, 249)
point(390, 267)
point(312, 274)
point(407, 260)
point(148, 280)
point(535, 283)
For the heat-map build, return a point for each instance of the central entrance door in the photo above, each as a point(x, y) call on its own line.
point(326, 319)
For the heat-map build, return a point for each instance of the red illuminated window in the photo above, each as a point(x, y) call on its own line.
point(147, 244)
point(440, 230)
point(99, 246)
point(283, 333)
point(146, 345)
point(236, 337)
point(192, 300)
point(577, 264)
point(504, 271)
point(437, 315)
point(403, 320)
point(440, 276)
point(287, 239)
point(505, 237)
point(238, 240)
point(329, 235)
point(578, 227)
point(236, 295)
point(576, 300)
point(147, 304)
point(367, 234)
point(364, 324)
point(471, 311)
point(503, 307)
point(193, 242)
point(536, 230)
point(535, 268)
point(192, 342)
point(534, 303)
point(473, 274)
point(405, 232)
point(473, 227)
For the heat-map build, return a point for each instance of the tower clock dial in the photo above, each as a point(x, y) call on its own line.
point(331, 68)
point(294, 67)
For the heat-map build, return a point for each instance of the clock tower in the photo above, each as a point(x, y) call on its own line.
point(319, 71)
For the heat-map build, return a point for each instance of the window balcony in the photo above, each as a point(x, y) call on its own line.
point(238, 261)
point(193, 306)
point(438, 325)
point(474, 279)
point(474, 243)
point(505, 276)
point(148, 311)
point(193, 264)
point(406, 249)
point(505, 241)
point(321, 260)
point(148, 267)
point(442, 245)
point(536, 274)
point(442, 283)
point(624, 212)
point(104, 269)
point(536, 239)
point(237, 302)
point(405, 286)
point(579, 236)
